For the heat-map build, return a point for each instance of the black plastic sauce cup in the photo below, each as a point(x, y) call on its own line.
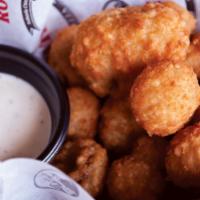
point(23, 65)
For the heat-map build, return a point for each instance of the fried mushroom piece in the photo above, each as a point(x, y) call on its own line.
point(86, 162)
point(132, 179)
point(183, 157)
point(124, 40)
point(59, 56)
point(84, 113)
point(118, 128)
point(193, 56)
point(65, 160)
point(139, 175)
point(152, 150)
point(164, 97)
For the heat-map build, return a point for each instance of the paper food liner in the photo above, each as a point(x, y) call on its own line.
point(32, 24)
point(22, 22)
point(27, 179)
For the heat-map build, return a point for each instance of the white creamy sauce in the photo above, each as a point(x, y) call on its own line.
point(25, 121)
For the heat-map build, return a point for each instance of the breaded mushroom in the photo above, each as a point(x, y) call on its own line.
point(139, 175)
point(86, 162)
point(65, 160)
point(183, 157)
point(124, 40)
point(131, 178)
point(59, 55)
point(84, 113)
point(151, 150)
point(164, 97)
point(118, 128)
point(193, 56)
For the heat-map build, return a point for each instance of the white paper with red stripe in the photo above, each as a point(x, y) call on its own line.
point(22, 22)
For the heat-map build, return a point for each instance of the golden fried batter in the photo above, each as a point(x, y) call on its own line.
point(117, 126)
point(183, 157)
point(138, 176)
point(164, 97)
point(84, 113)
point(65, 160)
point(193, 56)
point(124, 40)
point(86, 162)
point(59, 55)
point(134, 179)
point(151, 150)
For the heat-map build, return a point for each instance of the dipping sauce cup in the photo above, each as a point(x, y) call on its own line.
point(26, 67)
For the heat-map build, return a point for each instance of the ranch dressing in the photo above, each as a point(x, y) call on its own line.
point(25, 122)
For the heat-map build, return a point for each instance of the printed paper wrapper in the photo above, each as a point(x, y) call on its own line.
point(22, 22)
point(27, 179)
point(32, 24)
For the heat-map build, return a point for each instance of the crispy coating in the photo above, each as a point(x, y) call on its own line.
point(124, 40)
point(134, 179)
point(164, 97)
point(59, 55)
point(151, 150)
point(117, 126)
point(183, 157)
point(193, 56)
point(86, 162)
point(65, 160)
point(139, 175)
point(84, 113)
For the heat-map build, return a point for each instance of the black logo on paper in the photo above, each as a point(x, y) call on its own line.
point(67, 14)
point(48, 179)
point(114, 4)
point(27, 13)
